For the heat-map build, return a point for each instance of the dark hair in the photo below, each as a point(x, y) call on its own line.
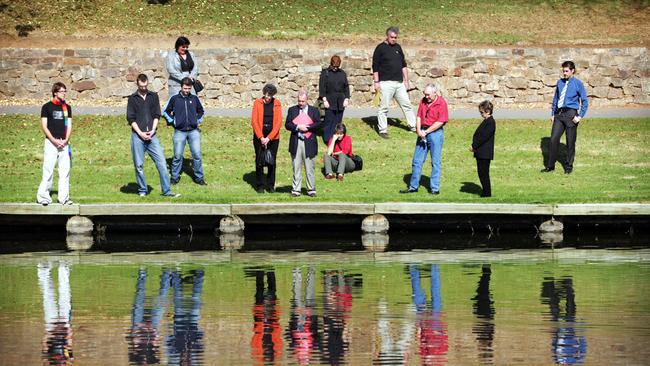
point(142, 78)
point(486, 106)
point(181, 41)
point(335, 61)
point(269, 89)
point(340, 127)
point(392, 29)
point(569, 64)
point(57, 86)
point(187, 81)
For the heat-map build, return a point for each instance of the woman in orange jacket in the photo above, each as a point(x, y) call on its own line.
point(266, 122)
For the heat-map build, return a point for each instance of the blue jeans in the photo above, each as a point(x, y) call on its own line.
point(155, 151)
point(433, 145)
point(194, 138)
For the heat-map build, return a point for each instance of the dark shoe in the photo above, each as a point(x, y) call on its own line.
point(486, 195)
point(171, 194)
point(339, 177)
point(329, 176)
point(201, 182)
point(44, 203)
point(271, 189)
point(547, 170)
point(568, 171)
point(311, 193)
point(408, 190)
point(384, 136)
point(434, 192)
point(175, 181)
point(260, 189)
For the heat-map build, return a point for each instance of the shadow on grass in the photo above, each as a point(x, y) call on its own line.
point(132, 188)
point(544, 145)
point(251, 180)
point(471, 188)
point(424, 181)
point(394, 122)
point(187, 168)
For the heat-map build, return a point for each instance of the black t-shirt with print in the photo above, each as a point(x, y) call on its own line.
point(55, 120)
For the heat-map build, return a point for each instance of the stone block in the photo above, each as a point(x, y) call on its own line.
point(517, 83)
point(491, 86)
point(598, 81)
point(68, 53)
point(598, 92)
point(535, 84)
point(472, 86)
point(615, 93)
point(453, 83)
point(83, 86)
point(76, 61)
point(46, 75)
point(436, 72)
point(6, 90)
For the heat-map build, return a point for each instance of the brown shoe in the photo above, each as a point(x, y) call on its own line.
point(329, 176)
point(339, 177)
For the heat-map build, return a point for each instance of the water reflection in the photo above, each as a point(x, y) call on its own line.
point(57, 309)
point(431, 328)
point(303, 322)
point(144, 336)
point(568, 346)
point(185, 344)
point(337, 295)
point(266, 343)
point(484, 311)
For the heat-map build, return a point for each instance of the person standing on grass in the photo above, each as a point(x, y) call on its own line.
point(334, 91)
point(56, 123)
point(303, 121)
point(185, 112)
point(142, 114)
point(483, 146)
point(569, 107)
point(433, 114)
point(339, 152)
point(391, 79)
point(266, 121)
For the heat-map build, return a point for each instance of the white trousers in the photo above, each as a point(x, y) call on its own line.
point(51, 156)
point(397, 90)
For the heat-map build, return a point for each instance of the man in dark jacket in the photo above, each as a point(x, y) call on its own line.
point(185, 112)
point(142, 114)
point(483, 146)
point(303, 121)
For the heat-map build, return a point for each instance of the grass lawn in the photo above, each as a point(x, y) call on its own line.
point(505, 22)
point(611, 164)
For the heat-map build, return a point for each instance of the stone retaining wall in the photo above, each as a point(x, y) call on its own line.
point(233, 77)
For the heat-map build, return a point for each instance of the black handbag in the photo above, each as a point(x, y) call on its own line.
point(266, 158)
point(358, 162)
point(198, 85)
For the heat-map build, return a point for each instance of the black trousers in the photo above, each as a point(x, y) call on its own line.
point(483, 169)
point(259, 169)
point(332, 118)
point(563, 121)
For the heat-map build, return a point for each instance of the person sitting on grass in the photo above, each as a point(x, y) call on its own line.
point(339, 152)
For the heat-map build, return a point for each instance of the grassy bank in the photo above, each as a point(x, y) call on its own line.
point(611, 164)
point(439, 21)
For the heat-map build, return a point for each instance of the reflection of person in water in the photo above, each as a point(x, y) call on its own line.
point(267, 336)
point(484, 311)
point(303, 321)
point(144, 335)
point(392, 352)
point(185, 344)
point(337, 291)
point(57, 342)
point(568, 346)
point(431, 329)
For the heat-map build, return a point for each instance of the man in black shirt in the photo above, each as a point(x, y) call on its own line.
point(142, 114)
point(56, 123)
point(391, 79)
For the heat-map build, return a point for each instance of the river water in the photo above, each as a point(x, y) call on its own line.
point(418, 306)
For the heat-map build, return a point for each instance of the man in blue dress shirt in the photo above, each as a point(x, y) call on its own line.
point(569, 107)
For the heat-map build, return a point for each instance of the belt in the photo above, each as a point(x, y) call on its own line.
point(565, 109)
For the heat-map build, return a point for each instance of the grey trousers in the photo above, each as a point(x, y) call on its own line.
point(298, 159)
point(342, 166)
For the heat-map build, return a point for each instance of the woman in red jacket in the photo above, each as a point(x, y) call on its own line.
point(266, 122)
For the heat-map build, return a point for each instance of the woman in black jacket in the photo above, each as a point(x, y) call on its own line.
point(483, 146)
point(334, 91)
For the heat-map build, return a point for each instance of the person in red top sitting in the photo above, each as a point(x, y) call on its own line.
point(339, 151)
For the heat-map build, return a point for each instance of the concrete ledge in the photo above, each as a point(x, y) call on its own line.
point(303, 208)
point(417, 208)
point(120, 209)
point(604, 209)
point(38, 209)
